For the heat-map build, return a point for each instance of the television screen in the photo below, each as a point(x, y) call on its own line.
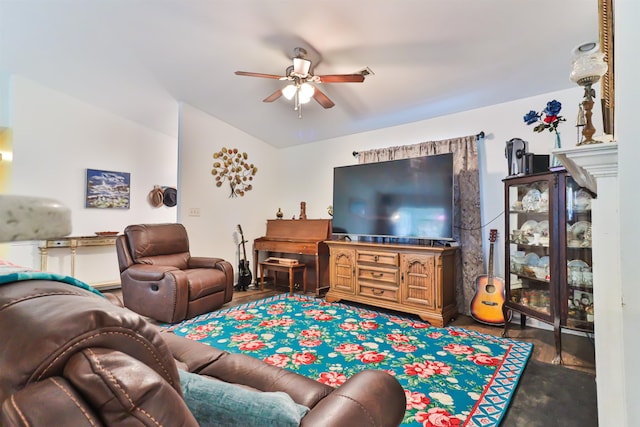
point(408, 198)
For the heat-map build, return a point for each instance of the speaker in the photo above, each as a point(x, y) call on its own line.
point(515, 152)
point(535, 163)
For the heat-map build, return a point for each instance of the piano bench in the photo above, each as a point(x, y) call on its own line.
point(291, 269)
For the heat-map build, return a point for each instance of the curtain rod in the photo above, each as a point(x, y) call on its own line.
point(479, 135)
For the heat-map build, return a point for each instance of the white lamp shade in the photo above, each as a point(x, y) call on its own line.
point(304, 99)
point(289, 91)
point(306, 90)
point(588, 65)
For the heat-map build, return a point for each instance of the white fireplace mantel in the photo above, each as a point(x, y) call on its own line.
point(596, 168)
point(586, 163)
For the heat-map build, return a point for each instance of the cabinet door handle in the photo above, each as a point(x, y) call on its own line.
point(377, 291)
point(376, 275)
point(375, 258)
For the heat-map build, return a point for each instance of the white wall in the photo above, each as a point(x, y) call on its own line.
point(4, 98)
point(214, 232)
point(55, 139)
point(627, 94)
point(309, 168)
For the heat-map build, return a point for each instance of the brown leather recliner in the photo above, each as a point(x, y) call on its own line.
point(161, 280)
point(71, 358)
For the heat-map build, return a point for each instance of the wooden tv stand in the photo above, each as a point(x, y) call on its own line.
point(413, 279)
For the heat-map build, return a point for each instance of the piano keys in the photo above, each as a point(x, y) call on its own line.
point(302, 239)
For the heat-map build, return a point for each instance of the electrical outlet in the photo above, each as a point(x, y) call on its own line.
point(194, 211)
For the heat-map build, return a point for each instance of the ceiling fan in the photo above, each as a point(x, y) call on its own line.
point(301, 76)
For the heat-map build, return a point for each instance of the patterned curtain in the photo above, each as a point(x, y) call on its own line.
point(466, 200)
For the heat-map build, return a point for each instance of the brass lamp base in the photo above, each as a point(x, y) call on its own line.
point(588, 142)
point(587, 104)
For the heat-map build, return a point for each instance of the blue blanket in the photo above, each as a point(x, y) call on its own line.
point(13, 273)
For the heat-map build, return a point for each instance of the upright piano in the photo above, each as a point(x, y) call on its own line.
point(302, 239)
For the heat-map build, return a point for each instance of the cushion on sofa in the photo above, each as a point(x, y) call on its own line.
point(217, 403)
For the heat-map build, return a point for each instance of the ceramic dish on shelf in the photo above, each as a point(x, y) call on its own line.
point(577, 263)
point(544, 201)
point(540, 272)
point(582, 201)
point(531, 200)
point(529, 227)
point(531, 259)
point(580, 232)
point(543, 228)
point(543, 261)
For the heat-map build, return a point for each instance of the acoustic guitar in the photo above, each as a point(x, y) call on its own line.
point(244, 277)
point(489, 297)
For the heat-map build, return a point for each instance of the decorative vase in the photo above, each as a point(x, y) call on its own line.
point(555, 162)
point(279, 214)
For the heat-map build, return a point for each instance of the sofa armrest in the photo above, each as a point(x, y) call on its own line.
point(190, 356)
point(369, 398)
point(125, 391)
point(43, 402)
point(114, 299)
point(166, 286)
point(203, 262)
point(220, 264)
point(149, 272)
point(244, 370)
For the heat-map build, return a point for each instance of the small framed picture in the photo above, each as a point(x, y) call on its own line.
point(107, 189)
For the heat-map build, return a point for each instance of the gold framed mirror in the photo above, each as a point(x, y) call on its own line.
point(605, 15)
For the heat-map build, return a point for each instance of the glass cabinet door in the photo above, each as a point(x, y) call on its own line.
point(530, 265)
point(578, 293)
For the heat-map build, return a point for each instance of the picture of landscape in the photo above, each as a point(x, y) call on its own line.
point(107, 190)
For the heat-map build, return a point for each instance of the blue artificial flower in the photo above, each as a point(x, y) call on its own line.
point(531, 117)
point(553, 108)
point(546, 119)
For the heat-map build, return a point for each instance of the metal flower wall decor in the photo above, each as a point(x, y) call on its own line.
point(232, 166)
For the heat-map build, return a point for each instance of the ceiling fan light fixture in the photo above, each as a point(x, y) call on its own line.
point(289, 91)
point(304, 99)
point(306, 91)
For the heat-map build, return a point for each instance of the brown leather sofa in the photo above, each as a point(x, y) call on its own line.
point(161, 280)
point(72, 358)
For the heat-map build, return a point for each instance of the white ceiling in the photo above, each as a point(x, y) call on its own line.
point(140, 58)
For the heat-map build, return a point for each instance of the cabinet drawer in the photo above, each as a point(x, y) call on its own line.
point(382, 275)
point(380, 258)
point(378, 292)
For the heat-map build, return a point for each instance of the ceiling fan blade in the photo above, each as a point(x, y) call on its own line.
point(266, 76)
point(342, 78)
point(275, 95)
point(322, 98)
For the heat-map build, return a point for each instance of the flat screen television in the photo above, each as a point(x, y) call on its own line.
point(402, 199)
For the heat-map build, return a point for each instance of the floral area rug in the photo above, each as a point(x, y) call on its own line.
point(451, 376)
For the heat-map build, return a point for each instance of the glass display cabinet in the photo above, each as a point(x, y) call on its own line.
point(548, 253)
